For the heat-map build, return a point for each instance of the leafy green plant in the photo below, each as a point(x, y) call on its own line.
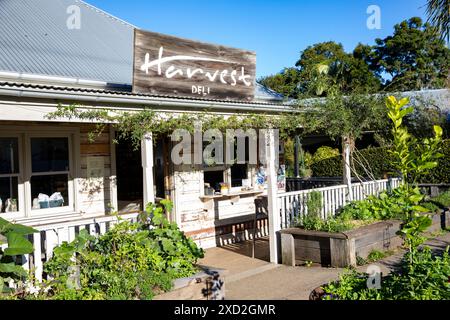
point(380, 164)
point(376, 255)
point(427, 278)
point(430, 206)
point(17, 245)
point(422, 275)
point(324, 152)
point(411, 157)
point(328, 225)
point(442, 200)
point(130, 261)
point(314, 203)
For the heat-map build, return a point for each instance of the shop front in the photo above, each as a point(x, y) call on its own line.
point(53, 172)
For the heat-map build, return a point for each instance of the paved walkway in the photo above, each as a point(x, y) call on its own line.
point(256, 279)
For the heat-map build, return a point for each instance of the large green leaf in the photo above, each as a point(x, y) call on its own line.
point(12, 268)
point(416, 198)
point(17, 244)
point(21, 229)
point(6, 226)
point(437, 130)
point(3, 225)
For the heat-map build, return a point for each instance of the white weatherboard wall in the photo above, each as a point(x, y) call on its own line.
point(94, 193)
point(91, 195)
point(213, 222)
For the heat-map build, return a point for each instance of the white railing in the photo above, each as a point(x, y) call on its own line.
point(293, 205)
point(52, 235)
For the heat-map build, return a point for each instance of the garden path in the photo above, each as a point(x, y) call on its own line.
point(257, 279)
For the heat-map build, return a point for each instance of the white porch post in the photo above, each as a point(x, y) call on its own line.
point(347, 174)
point(147, 166)
point(272, 190)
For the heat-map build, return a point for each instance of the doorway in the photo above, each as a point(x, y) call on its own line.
point(130, 174)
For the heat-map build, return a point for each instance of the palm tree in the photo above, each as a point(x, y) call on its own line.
point(438, 12)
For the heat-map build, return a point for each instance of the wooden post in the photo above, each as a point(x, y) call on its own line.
point(113, 174)
point(147, 166)
point(288, 249)
point(347, 175)
point(272, 190)
point(296, 164)
point(342, 252)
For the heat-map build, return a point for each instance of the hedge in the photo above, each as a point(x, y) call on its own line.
point(378, 159)
point(441, 174)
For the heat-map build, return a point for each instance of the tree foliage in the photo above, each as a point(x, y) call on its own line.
point(412, 58)
point(438, 12)
point(323, 66)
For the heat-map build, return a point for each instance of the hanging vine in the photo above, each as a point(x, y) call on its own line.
point(133, 125)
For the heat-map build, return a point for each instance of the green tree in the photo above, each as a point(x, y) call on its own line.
point(321, 67)
point(413, 58)
point(284, 82)
point(326, 66)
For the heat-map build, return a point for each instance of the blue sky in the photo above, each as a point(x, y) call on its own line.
point(276, 30)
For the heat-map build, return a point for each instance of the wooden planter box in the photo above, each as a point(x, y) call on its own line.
point(340, 249)
point(208, 284)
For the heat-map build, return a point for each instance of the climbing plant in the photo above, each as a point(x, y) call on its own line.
point(134, 125)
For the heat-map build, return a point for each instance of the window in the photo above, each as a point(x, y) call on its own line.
point(9, 174)
point(214, 179)
point(239, 171)
point(50, 169)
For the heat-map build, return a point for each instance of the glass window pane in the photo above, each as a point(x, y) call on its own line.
point(238, 173)
point(9, 155)
point(48, 185)
point(214, 179)
point(50, 154)
point(8, 194)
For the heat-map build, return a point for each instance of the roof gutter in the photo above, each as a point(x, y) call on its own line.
point(138, 101)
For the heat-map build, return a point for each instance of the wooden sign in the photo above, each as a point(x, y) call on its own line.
point(173, 66)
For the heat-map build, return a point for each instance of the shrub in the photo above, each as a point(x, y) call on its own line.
point(376, 255)
point(425, 279)
point(373, 158)
point(15, 236)
point(442, 200)
point(387, 205)
point(130, 261)
point(324, 152)
point(430, 206)
point(328, 225)
point(314, 203)
point(379, 164)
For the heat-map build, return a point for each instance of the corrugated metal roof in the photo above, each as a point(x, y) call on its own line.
point(113, 93)
point(35, 39)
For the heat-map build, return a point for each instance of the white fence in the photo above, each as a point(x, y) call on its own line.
point(293, 205)
point(52, 235)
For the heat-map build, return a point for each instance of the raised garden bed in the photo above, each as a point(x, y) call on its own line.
point(340, 249)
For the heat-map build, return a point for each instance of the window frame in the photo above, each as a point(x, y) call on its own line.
point(21, 209)
point(67, 208)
